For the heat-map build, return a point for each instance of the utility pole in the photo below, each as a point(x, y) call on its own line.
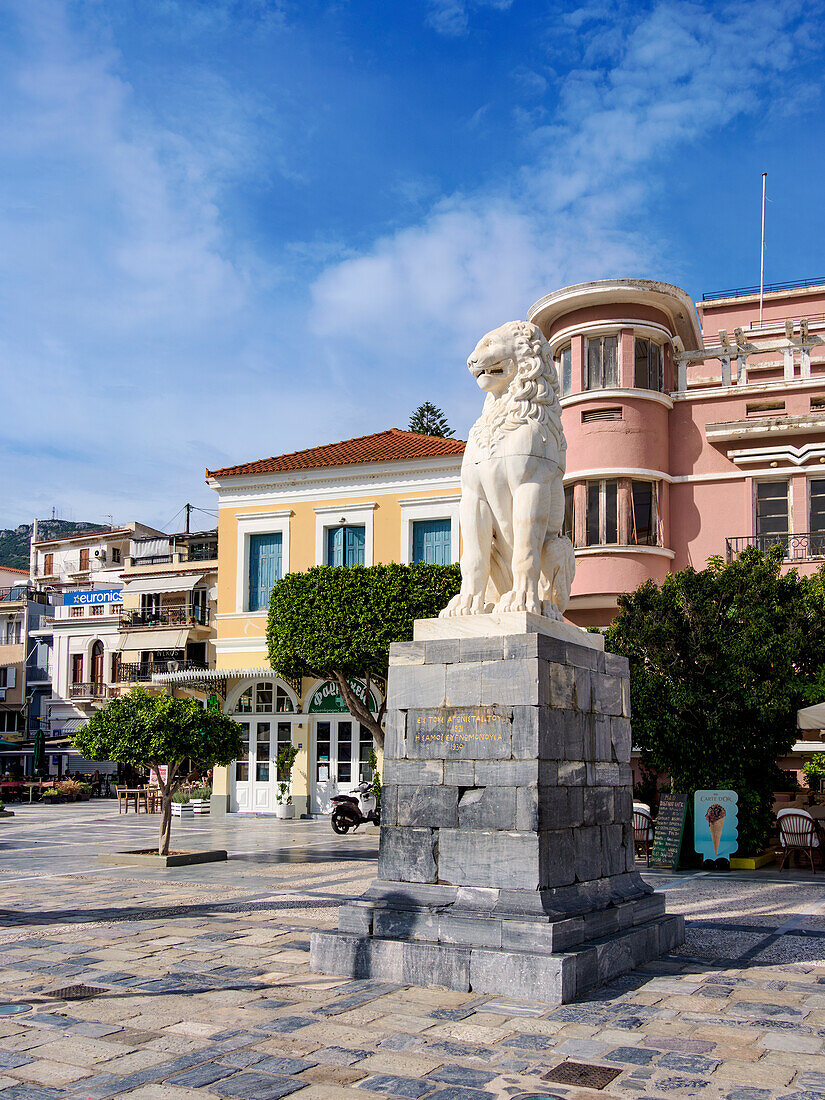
point(762, 263)
point(188, 510)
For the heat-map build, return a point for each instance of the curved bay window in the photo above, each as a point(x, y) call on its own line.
point(601, 362)
point(648, 365)
point(612, 512)
point(564, 370)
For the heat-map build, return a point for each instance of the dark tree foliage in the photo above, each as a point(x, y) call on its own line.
point(720, 660)
point(337, 623)
point(149, 731)
point(428, 419)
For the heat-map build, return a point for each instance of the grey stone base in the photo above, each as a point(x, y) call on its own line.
point(527, 974)
point(152, 859)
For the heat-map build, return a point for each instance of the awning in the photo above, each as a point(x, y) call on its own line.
point(72, 725)
point(138, 641)
point(811, 718)
point(183, 583)
point(209, 675)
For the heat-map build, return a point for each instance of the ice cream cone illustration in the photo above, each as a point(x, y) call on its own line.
point(716, 823)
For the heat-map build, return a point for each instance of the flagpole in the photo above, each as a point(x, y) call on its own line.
point(762, 262)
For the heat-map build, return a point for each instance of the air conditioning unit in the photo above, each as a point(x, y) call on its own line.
point(100, 554)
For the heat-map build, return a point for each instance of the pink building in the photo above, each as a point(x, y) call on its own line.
point(688, 435)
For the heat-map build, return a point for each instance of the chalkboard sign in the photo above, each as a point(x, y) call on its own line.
point(667, 833)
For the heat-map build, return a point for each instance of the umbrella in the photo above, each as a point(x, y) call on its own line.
point(38, 752)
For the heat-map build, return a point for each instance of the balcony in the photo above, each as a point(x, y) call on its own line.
point(22, 592)
point(145, 670)
point(92, 692)
point(804, 546)
point(165, 616)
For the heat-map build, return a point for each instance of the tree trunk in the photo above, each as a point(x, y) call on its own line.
point(165, 823)
point(360, 712)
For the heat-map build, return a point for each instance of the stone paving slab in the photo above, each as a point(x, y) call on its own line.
point(207, 989)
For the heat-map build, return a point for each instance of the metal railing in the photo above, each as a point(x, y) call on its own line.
point(23, 592)
point(89, 691)
point(743, 291)
point(145, 670)
point(801, 546)
point(155, 559)
point(166, 616)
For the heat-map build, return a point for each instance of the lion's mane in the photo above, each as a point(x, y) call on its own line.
point(532, 396)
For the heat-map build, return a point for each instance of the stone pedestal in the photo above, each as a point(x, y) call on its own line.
point(506, 855)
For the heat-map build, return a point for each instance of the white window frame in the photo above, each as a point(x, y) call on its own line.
point(446, 507)
point(764, 481)
point(344, 515)
point(258, 523)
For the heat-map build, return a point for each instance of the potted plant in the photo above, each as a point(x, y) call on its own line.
point(182, 805)
point(814, 770)
point(52, 795)
point(199, 800)
point(285, 760)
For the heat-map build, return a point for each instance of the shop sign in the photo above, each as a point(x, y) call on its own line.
point(715, 824)
point(326, 699)
point(87, 596)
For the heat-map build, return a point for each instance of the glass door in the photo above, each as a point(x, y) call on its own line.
point(262, 767)
point(342, 750)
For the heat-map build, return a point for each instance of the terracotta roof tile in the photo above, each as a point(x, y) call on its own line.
point(393, 445)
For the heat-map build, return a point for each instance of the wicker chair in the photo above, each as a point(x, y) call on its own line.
point(797, 833)
point(643, 831)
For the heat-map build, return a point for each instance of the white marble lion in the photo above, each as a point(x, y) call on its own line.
point(514, 557)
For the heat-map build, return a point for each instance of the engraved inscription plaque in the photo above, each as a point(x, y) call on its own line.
point(460, 733)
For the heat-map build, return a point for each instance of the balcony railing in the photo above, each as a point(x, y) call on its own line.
point(145, 670)
point(154, 559)
point(802, 546)
point(166, 616)
point(89, 691)
point(23, 592)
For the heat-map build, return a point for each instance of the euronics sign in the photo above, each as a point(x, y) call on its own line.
point(104, 595)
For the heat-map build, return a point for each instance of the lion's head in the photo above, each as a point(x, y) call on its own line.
point(513, 364)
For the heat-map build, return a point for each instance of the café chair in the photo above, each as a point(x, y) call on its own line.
point(642, 829)
point(797, 833)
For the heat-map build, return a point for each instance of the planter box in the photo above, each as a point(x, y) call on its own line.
point(152, 859)
point(182, 809)
point(751, 863)
point(284, 812)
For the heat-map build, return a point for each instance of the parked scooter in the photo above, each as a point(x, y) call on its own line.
point(348, 813)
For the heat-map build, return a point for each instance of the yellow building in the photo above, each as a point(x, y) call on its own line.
point(392, 496)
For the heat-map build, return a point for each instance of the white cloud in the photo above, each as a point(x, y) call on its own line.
point(574, 209)
point(452, 17)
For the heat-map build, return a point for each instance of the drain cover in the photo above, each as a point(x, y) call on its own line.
point(577, 1073)
point(12, 1010)
point(77, 992)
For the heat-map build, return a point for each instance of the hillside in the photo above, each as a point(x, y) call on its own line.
point(14, 542)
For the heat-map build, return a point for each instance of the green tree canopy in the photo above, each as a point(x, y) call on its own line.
point(337, 623)
point(150, 731)
point(428, 419)
point(720, 660)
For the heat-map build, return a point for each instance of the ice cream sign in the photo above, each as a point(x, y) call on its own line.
point(715, 824)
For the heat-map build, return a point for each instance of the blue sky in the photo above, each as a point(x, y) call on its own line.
point(233, 228)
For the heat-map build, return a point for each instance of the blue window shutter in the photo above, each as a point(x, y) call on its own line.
point(265, 568)
point(432, 542)
point(356, 538)
point(335, 546)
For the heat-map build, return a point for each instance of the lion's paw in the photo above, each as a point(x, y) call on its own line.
point(519, 599)
point(462, 604)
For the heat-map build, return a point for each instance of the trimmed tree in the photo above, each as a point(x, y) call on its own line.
point(428, 419)
point(150, 731)
point(337, 623)
point(720, 660)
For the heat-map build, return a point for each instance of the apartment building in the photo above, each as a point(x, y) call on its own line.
point(25, 683)
point(691, 431)
point(391, 496)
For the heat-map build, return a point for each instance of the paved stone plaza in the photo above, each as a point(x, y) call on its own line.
point(207, 989)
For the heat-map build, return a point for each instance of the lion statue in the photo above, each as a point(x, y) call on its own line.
point(514, 555)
